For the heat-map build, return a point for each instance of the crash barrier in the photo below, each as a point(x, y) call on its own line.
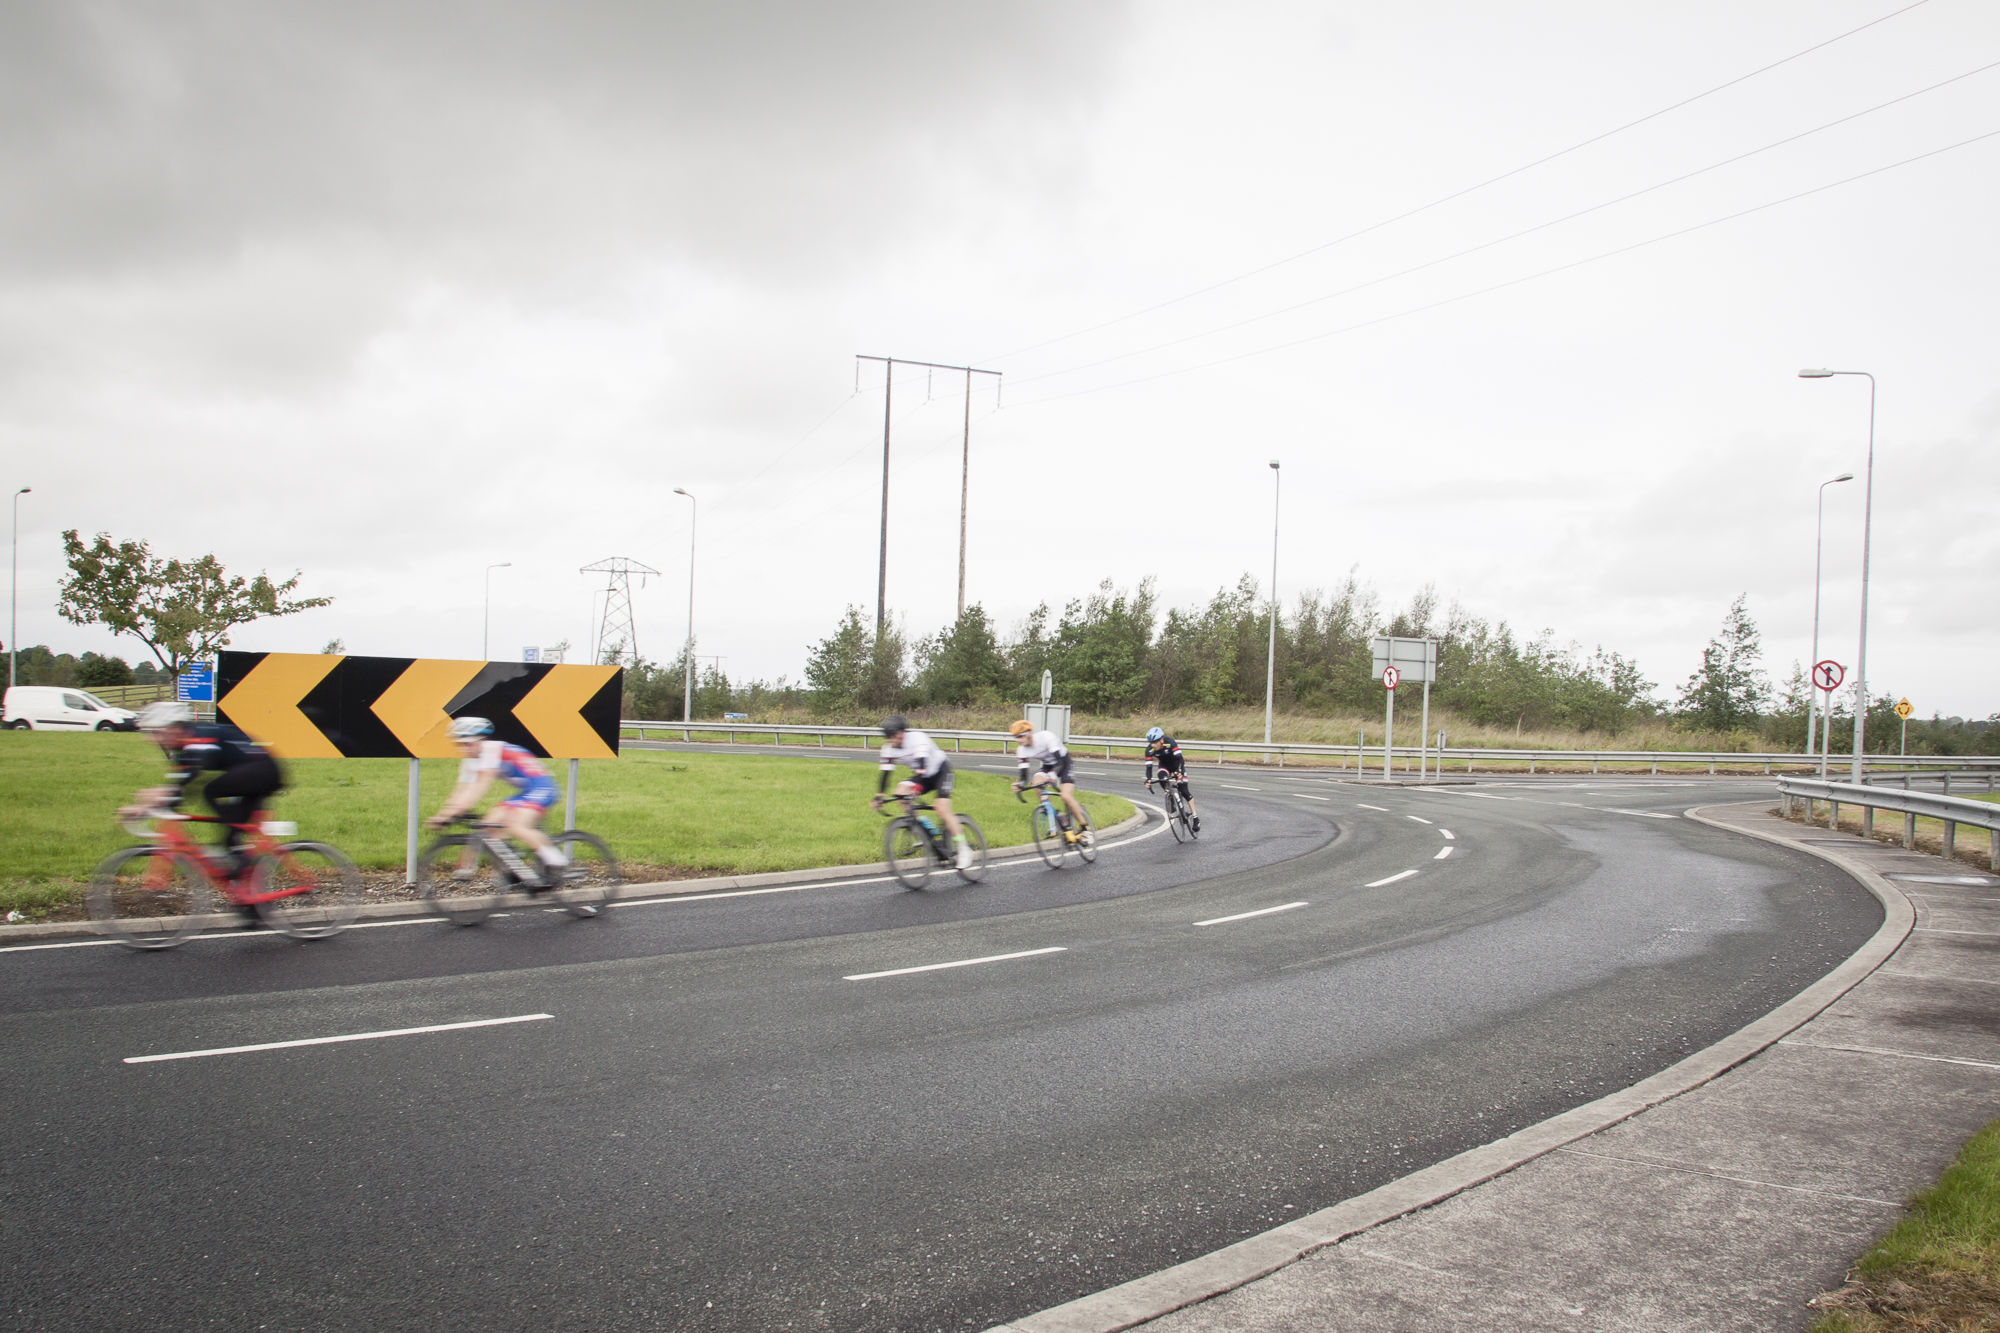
point(1953, 810)
point(1412, 758)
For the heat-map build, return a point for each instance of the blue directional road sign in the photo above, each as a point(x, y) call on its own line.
point(196, 685)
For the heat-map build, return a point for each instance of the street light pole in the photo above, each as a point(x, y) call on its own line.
point(14, 601)
point(486, 623)
point(1819, 534)
point(687, 697)
point(1271, 654)
point(1867, 536)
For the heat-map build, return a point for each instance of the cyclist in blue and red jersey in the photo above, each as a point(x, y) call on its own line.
point(486, 761)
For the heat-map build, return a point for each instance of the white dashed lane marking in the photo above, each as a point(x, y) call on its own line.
point(1391, 880)
point(1383, 808)
point(1448, 833)
point(328, 1041)
point(1419, 818)
point(1245, 916)
point(1443, 852)
point(958, 962)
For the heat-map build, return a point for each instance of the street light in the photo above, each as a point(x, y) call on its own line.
point(1818, 535)
point(1271, 654)
point(1867, 534)
point(486, 625)
point(14, 603)
point(687, 701)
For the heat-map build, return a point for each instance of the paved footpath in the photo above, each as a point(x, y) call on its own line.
point(1723, 1205)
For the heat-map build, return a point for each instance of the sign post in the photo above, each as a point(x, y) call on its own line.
point(1903, 710)
point(1413, 660)
point(332, 706)
point(1390, 677)
point(1827, 675)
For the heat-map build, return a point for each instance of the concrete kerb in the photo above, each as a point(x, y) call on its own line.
point(676, 887)
point(1147, 1298)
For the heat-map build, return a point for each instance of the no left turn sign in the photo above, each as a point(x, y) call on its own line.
point(1389, 677)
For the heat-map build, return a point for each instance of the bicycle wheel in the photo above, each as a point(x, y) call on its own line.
point(150, 898)
point(1086, 837)
point(907, 852)
point(592, 878)
point(322, 890)
point(976, 839)
point(461, 880)
point(1177, 818)
point(1048, 838)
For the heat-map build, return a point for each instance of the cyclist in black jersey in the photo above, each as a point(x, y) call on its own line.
point(246, 776)
point(1163, 752)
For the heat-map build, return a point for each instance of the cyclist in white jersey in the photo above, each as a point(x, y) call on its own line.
point(930, 772)
point(1042, 747)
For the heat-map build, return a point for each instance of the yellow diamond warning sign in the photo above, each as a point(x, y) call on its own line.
point(315, 706)
point(1903, 709)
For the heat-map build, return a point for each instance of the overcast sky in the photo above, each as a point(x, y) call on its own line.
point(388, 293)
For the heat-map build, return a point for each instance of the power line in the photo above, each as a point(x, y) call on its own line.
point(1456, 194)
point(1515, 282)
point(1512, 236)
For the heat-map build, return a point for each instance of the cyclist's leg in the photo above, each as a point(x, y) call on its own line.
point(1068, 790)
point(237, 795)
point(521, 819)
point(940, 784)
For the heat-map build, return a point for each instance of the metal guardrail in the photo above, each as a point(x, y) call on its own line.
point(1369, 757)
point(1952, 810)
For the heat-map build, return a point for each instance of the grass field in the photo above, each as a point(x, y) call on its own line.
point(727, 813)
point(1939, 1267)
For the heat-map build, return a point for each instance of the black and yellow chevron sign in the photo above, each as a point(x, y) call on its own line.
point(321, 706)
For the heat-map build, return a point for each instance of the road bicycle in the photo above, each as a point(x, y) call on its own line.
point(915, 843)
point(1179, 817)
point(1049, 822)
point(467, 877)
point(166, 891)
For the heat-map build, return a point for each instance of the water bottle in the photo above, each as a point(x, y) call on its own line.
point(930, 825)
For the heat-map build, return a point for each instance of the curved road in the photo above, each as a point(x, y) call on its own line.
point(718, 1126)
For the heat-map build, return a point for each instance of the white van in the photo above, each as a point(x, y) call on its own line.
point(59, 708)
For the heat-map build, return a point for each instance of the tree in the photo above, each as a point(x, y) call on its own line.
point(181, 610)
point(962, 665)
point(1731, 689)
point(94, 670)
point(838, 667)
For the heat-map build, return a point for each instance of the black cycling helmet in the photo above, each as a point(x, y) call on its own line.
point(894, 723)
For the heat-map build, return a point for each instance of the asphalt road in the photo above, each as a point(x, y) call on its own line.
point(717, 1127)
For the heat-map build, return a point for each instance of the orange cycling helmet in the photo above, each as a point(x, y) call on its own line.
point(1020, 728)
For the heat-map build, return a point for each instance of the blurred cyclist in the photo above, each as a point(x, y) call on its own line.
point(1164, 752)
point(930, 772)
point(484, 761)
point(246, 776)
point(1054, 758)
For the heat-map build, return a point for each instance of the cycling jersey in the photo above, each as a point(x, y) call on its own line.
point(211, 747)
point(515, 766)
point(1052, 754)
point(1166, 753)
point(918, 753)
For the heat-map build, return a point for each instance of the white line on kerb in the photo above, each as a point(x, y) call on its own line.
point(1443, 852)
point(962, 962)
point(1448, 833)
point(1245, 916)
point(1383, 808)
point(1419, 818)
point(1391, 880)
point(328, 1041)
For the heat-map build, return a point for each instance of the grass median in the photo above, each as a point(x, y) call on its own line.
point(671, 812)
point(1939, 1267)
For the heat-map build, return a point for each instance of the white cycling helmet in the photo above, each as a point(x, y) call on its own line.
point(470, 728)
point(165, 713)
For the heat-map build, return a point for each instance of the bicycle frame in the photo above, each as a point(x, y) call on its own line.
point(933, 838)
point(256, 847)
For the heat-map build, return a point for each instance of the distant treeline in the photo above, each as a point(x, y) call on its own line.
point(1117, 653)
point(39, 666)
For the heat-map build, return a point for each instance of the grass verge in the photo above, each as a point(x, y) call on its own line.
point(1971, 845)
point(1939, 1267)
point(729, 814)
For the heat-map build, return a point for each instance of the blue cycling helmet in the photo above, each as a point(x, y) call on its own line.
point(1155, 734)
point(470, 728)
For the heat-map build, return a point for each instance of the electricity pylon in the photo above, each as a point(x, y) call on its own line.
point(616, 626)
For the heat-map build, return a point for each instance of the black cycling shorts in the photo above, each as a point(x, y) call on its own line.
point(1060, 766)
point(936, 784)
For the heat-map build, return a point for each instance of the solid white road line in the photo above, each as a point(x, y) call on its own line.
point(1448, 833)
point(328, 1041)
point(1391, 880)
point(1476, 795)
point(1303, 797)
point(1443, 852)
point(1419, 818)
point(963, 962)
point(1383, 808)
point(1245, 916)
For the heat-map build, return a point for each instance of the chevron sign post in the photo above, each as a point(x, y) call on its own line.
point(323, 706)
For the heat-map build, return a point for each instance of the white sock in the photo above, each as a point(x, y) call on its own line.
point(552, 856)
